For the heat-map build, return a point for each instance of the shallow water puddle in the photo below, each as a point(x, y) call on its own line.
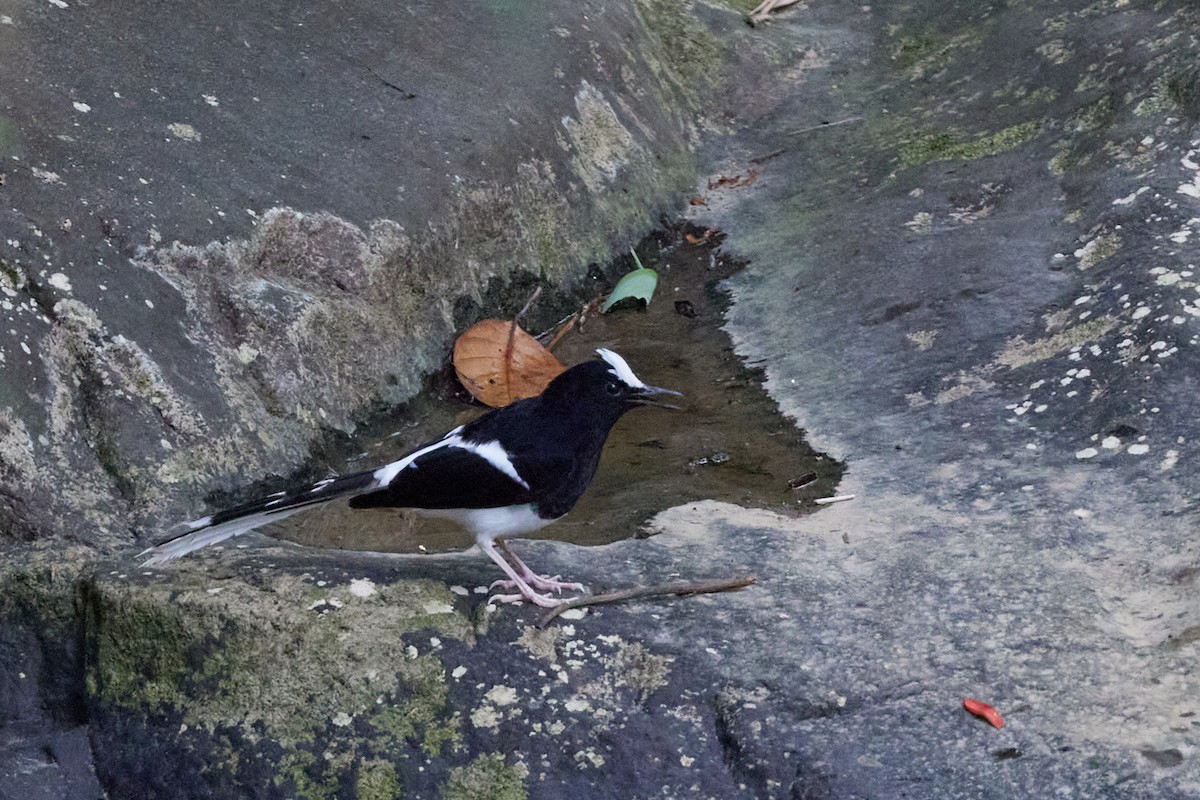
point(728, 442)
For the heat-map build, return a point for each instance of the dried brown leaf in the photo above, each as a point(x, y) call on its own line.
point(499, 363)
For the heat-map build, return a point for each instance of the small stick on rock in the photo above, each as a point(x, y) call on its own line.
point(528, 304)
point(512, 331)
point(818, 127)
point(679, 589)
point(565, 327)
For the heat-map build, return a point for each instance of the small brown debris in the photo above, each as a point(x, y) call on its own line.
point(802, 481)
point(735, 181)
point(692, 238)
point(686, 309)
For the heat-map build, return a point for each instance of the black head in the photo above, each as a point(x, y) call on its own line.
point(604, 389)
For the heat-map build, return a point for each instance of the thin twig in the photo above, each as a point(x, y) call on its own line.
point(680, 589)
point(811, 128)
point(768, 156)
point(512, 333)
point(563, 331)
point(407, 94)
point(528, 304)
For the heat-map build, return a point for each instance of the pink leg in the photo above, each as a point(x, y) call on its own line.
point(526, 592)
point(543, 582)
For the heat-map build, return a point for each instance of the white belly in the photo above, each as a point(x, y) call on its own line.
point(486, 524)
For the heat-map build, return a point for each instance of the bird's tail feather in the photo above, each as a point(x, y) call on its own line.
point(244, 518)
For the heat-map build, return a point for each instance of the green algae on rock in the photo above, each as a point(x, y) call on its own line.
point(278, 665)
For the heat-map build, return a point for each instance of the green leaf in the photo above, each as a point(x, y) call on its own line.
point(639, 284)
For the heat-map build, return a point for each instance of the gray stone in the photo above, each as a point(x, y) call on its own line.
point(48, 766)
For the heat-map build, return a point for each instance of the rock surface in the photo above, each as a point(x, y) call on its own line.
point(972, 279)
point(982, 235)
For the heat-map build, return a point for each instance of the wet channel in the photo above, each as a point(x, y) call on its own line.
point(728, 442)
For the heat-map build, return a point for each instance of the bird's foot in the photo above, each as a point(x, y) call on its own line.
point(524, 580)
point(546, 583)
point(543, 600)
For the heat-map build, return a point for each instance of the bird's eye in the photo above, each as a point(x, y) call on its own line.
point(613, 388)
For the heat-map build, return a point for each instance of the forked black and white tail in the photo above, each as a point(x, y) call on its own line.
point(391, 485)
point(244, 518)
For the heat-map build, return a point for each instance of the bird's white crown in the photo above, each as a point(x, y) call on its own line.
point(620, 369)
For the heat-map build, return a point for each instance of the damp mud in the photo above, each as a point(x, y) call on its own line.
point(727, 442)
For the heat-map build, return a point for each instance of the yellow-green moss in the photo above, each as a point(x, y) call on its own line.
point(306, 776)
point(488, 777)
point(920, 53)
point(691, 50)
point(945, 145)
point(1092, 117)
point(422, 716)
point(142, 654)
point(377, 780)
point(285, 661)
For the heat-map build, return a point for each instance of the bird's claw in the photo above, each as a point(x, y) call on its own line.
point(543, 600)
point(544, 582)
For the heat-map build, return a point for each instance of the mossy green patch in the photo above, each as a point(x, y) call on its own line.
point(421, 716)
point(306, 777)
point(488, 777)
point(1068, 157)
point(946, 146)
point(1175, 90)
point(1103, 246)
point(921, 53)
point(143, 656)
point(1092, 117)
point(41, 596)
point(377, 780)
point(285, 663)
point(690, 49)
point(1181, 85)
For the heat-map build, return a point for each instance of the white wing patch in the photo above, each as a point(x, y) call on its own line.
point(495, 455)
point(388, 472)
point(490, 452)
point(620, 369)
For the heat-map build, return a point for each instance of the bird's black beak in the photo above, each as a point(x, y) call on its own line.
point(647, 396)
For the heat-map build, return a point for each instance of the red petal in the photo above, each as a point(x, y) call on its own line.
point(983, 710)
